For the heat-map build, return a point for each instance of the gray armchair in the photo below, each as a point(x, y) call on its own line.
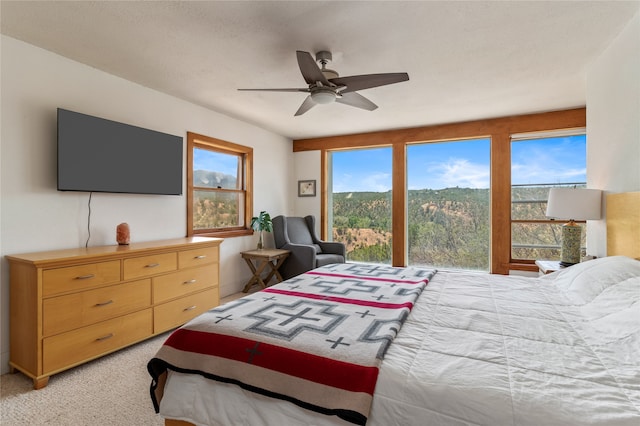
point(297, 234)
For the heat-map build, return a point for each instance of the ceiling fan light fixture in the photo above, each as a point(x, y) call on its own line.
point(323, 96)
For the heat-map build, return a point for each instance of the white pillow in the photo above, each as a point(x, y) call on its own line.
point(583, 282)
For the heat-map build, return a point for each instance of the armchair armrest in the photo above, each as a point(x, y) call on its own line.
point(333, 247)
point(301, 259)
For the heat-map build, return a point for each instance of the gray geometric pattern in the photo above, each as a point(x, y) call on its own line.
point(344, 287)
point(285, 322)
point(368, 270)
point(406, 291)
point(383, 331)
point(231, 305)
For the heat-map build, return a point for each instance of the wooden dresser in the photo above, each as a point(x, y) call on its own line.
point(72, 306)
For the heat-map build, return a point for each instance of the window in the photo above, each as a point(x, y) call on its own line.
point(219, 187)
point(539, 163)
point(498, 131)
point(448, 204)
point(360, 199)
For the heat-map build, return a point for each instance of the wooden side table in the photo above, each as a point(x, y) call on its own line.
point(273, 258)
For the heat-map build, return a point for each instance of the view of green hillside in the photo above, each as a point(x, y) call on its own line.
point(446, 228)
point(215, 209)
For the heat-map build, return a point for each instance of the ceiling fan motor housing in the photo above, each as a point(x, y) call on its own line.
point(323, 58)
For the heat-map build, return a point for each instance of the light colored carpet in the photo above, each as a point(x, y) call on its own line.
point(113, 390)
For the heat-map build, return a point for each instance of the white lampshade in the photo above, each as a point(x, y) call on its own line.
point(574, 203)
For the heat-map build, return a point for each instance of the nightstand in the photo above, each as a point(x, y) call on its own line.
point(548, 266)
point(273, 258)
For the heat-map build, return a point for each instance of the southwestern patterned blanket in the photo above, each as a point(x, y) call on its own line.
point(316, 340)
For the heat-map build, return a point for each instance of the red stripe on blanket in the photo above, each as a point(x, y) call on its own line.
point(341, 299)
point(367, 278)
point(338, 374)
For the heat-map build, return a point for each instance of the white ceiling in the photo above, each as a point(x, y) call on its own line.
point(466, 60)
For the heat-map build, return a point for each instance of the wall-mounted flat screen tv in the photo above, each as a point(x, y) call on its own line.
point(99, 155)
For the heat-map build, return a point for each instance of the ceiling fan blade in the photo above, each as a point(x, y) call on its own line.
point(309, 69)
point(306, 106)
point(356, 100)
point(275, 90)
point(361, 82)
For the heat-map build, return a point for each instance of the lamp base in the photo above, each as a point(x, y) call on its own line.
point(571, 236)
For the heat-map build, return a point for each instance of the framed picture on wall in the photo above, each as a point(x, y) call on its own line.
point(306, 188)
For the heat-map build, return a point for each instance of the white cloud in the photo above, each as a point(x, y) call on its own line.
point(363, 182)
point(455, 172)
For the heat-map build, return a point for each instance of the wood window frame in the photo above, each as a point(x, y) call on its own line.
point(499, 130)
point(195, 140)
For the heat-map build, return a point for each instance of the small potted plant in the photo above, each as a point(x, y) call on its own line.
point(261, 223)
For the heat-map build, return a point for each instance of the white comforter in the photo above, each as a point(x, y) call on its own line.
point(482, 349)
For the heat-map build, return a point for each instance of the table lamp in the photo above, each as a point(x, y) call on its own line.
point(573, 204)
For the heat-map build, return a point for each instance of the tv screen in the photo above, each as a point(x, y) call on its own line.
point(98, 155)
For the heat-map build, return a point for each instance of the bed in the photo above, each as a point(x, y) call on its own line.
point(455, 348)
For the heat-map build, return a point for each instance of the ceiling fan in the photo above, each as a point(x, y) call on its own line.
point(325, 86)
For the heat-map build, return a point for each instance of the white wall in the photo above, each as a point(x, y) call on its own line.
point(307, 167)
point(35, 216)
point(613, 124)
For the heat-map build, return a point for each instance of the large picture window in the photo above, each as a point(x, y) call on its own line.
point(219, 196)
point(540, 162)
point(360, 197)
point(412, 235)
point(448, 204)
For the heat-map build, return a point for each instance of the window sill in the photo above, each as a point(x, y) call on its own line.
point(226, 234)
point(530, 267)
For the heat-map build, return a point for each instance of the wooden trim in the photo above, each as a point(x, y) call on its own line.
point(248, 201)
point(227, 233)
point(528, 267)
point(566, 119)
point(219, 145)
point(399, 203)
point(324, 185)
point(189, 197)
point(173, 422)
point(500, 203)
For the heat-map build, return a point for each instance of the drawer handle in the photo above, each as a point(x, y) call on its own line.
point(108, 336)
point(202, 256)
point(85, 277)
point(152, 265)
point(190, 308)
point(189, 282)
point(108, 302)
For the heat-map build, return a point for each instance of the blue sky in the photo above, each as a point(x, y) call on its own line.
point(462, 163)
point(209, 160)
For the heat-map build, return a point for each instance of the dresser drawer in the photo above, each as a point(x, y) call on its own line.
point(76, 310)
point(80, 277)
point(73, 347)
point(145, 266)
point(181, 283)
point(173, 314)
point(196, 257)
